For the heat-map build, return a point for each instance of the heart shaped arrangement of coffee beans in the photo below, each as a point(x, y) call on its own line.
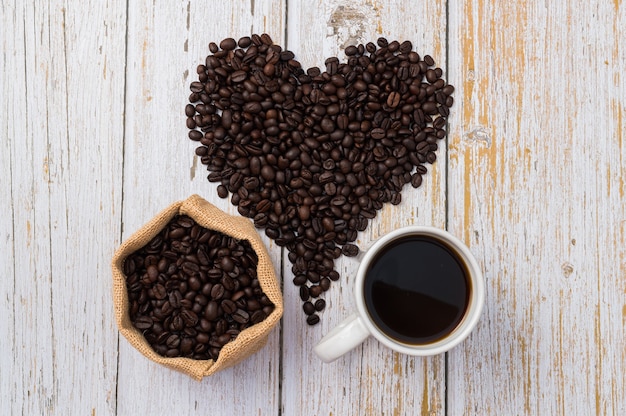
point(311, 156)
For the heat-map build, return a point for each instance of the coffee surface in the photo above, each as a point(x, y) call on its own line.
point(416, 290)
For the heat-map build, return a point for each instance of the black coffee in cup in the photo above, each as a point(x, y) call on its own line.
point(417, 289)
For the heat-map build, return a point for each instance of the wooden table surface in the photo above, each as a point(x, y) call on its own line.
point(531, 177)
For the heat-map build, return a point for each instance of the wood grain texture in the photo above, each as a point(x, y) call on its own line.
point(13, 66)
point(536, 188)
point(371, 379)
point(93, 143)
point(62, 327)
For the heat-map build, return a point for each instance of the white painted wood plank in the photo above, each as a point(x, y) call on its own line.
point(371, 379)
point(84, 161)
point(12, 120)
point(166, 42)
point(32, 362)
point(65, 212)
point(536, 189)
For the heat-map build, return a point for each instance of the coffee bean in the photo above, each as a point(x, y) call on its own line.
point(313, 319)
point(430, 107)
point(320, 304)
point(143, 322)
point(228, 44)
point(173, 341)
point(159, 291)
point(350, 250)
point(241, 316)
point(266, 39)
point(211, 311)
point(257, 316)
point(406, 46)
point(268, 173)
point(393, 99)
point(315, 291)
point(324, 284)
point(304, 293)
point(227, 264)
point(300, 279)
point(189, 317)
point(378, 133)
point(228, 306)
point(308, 308)
point(244, 42)
point(448, 89)
point(217, 292)
point(416, 180)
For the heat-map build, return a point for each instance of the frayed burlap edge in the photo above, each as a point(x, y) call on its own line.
point(209, 216)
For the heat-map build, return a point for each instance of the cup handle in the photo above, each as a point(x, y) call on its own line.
point(347, 335)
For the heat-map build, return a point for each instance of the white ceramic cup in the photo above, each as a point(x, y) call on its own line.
point(359, 326)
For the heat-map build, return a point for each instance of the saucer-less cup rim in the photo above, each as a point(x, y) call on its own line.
point(359, 326)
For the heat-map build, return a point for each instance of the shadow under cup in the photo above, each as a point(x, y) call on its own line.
point(417, 289)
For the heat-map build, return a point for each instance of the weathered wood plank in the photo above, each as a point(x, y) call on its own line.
point(370, 379)
point(535, 187)
point(62, 88)
point(166, 42)
point(16, 221)
point(85, 198)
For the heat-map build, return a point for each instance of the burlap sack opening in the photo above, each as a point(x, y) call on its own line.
point(207, 215)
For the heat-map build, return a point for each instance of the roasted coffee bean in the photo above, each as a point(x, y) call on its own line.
point(228, 44)
point(416, 180)
point(143, 322)
point(227, 264)
point(312, 155)
point(180, 304)
point(308, 308)
point(211, 311)
point(324, 284)
point(393, 99)
point(350, 250)
point(222, 191)
point(304, 293)
point(159, 291)
point(320, 304)
point(214, 274)
point(430, 107)
point(378, 133)
point(244, 42)
point(173, 341)
point(241, 316)
point(315, 291)
point(175, 298)
point(189, 317)
point(257, 316)
point(313, 319)
point(228, 306)
point(217, 292)
point(300, 279)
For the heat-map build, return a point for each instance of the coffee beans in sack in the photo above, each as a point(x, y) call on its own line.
point(195, 289)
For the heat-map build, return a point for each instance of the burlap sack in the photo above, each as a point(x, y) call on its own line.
point(249, 340)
